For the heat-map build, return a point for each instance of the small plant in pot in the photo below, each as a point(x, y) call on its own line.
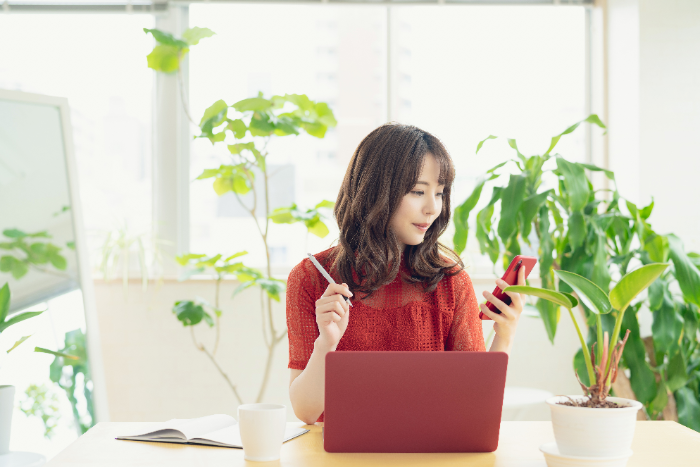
point(596, 425)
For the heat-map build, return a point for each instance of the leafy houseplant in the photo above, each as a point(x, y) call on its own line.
point(549, 204)
point(246, 127)
point(30, 250)
point(7, 392)
point(586, 431)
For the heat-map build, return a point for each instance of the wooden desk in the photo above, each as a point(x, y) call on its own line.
point(655, 444)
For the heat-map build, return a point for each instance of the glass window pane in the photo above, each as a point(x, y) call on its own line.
point(334, 54)
point(467, 72)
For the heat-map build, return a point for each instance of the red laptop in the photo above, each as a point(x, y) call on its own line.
point(413, 401)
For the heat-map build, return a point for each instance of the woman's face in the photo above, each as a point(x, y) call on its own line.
point(420, 207)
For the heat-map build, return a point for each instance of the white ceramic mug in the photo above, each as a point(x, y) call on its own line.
point(262, 430)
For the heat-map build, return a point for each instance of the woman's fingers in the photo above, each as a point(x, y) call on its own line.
point(494, 316)
point(502, 307)
point(515, 297)
point(333, 299)
point(341, 289)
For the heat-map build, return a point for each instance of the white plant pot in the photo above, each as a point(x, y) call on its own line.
point(7, 399)
point(583, 431)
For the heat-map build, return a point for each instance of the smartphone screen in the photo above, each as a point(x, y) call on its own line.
point(511, 278)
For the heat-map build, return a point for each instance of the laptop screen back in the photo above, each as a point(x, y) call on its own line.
point(413, 401)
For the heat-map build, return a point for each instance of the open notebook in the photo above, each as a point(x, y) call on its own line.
point(212, 430)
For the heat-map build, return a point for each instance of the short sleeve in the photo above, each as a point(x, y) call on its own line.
point(302, 287)
point(466, 333)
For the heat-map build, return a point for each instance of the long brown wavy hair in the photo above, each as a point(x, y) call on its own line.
point(385, 167)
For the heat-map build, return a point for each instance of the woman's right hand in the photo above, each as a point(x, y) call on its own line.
point(332, 314)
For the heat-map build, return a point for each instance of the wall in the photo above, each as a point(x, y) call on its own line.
point(669, 80)
point(654, 109)
point(154, 373)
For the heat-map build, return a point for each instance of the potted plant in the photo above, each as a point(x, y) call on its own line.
point(595, 425)
point(7, 392)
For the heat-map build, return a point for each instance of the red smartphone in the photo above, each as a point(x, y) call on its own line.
point(511, 278)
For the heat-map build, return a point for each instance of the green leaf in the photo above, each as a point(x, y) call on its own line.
point(283, 215)
point(658, 248)
point(318, 228)
point(531, 205)
point(214, 113)
point(461, 216)
point(642, 378)
point(14, 233)
point(481, 143)
point(272, 287)
point(688, 408)
point(235, 255)
point(576, 183)
point(677, 373)
point(633, 283)
point(511, 200)
point(193, 35)
point(551, 295)
point(325, 204)
point(184, 259)
point(166, 38)
point(165, 58)
point(22, 339)
point(577, 229)
point(58, 261)
point(590, 294)
point(188, 312)
point(580, 367)
point(546, 248)
point(550, 314)
point(56, 354)
point(19, 317)
point(223, 185)
point(572, 299)
point(4, 301)
point(687, 274)
point(608, 173)
point(645, 212)
point(590, 119)
point(238, 128)
point(254, 103)
point(667, 327)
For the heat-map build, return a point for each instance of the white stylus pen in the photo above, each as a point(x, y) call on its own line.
point(325, 274)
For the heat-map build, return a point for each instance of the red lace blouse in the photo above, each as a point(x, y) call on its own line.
point(398, 316)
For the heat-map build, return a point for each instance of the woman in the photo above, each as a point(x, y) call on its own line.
point(408, 291)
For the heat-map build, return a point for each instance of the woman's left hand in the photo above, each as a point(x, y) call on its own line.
point(506, 322)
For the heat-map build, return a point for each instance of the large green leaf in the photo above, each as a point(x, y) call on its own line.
point(193, 35)
point(531, 205)
point(576, 183)
point(642, 378)
point(667, 326)
point(677, 372)
point(165, 58)
point(687, 274)
point(590, 294)
point(4, 301)
point(688, 408)
point(461, 216)
point(18, 318)
point(317, 227)
point(546, 249)
point(577, 229)
point(511, 200)
point(214, 114)
point(551, 295)
point(633, 283)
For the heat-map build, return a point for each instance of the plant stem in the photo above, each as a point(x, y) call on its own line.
point(599, 326)
point(615, 337)
point(201, 348)
point(217, 313)
point(584, 348)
